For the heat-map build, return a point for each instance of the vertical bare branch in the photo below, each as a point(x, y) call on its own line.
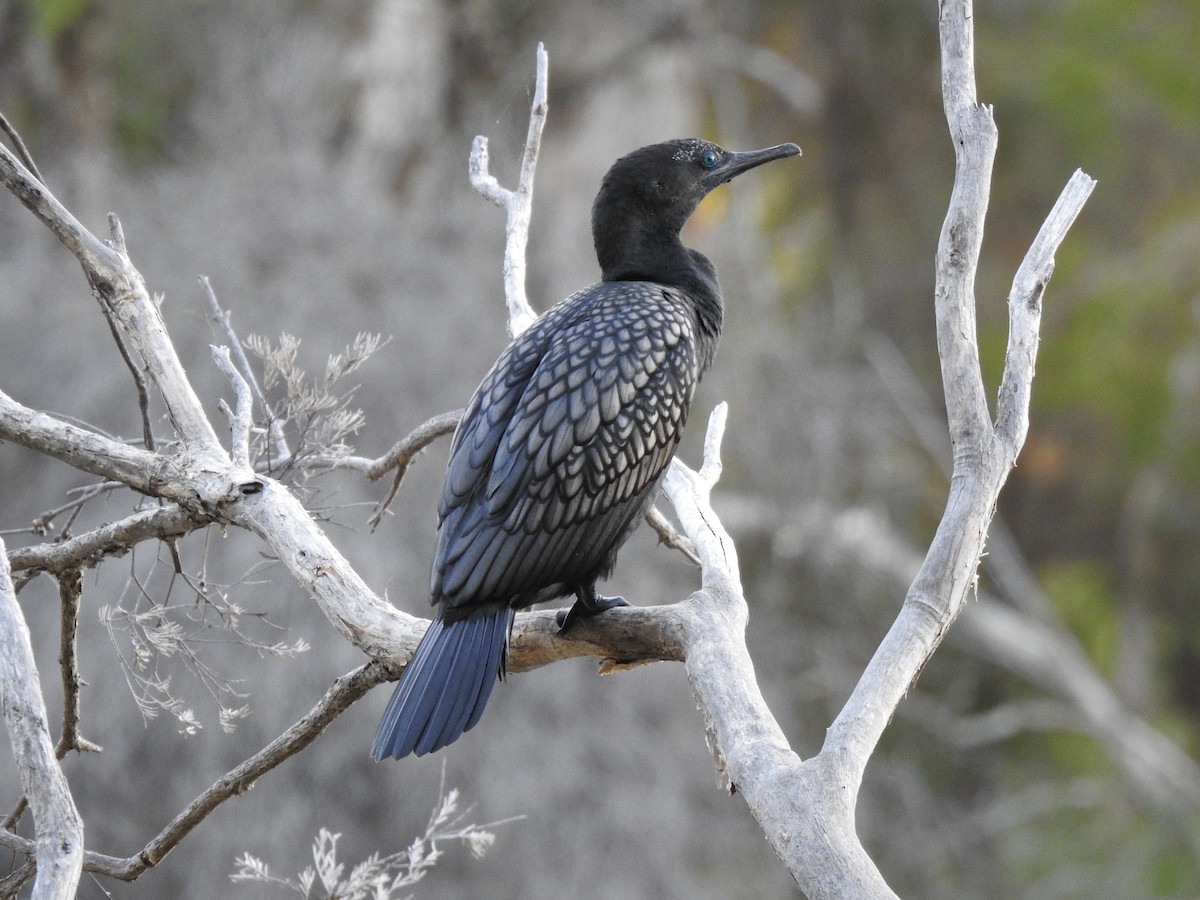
point(240, 417)
point(973, 133)
point(221, 318)
point(59, 843)
point(518, 203)
point(948, 572)
point(833, 863)
point(70, 586)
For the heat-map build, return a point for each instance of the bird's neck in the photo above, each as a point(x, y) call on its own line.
point(641, 254)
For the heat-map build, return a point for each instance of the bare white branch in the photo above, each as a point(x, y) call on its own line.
point(119, 286)
point(689, 493)
point(59, 844)
point(221, 318)
point(947, 576)
point(517, 203)
point(241, 416)
point(1025, 312)
point(77, 446)
point(111, 539)
point(481, 178)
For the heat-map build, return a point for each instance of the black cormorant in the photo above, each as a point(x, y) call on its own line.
point(560, 451)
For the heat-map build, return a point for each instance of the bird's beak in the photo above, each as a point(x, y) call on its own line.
point(737, 163)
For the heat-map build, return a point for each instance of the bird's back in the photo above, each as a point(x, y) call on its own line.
point(563, 444)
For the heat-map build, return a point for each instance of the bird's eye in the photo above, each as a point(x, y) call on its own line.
point(708, 158)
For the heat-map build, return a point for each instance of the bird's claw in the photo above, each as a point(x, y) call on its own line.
point(583, 610)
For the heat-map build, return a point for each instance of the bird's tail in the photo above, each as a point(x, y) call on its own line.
point(446, 684)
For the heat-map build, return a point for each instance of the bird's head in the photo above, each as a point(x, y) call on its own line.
point(647, 196)
point(667, 180)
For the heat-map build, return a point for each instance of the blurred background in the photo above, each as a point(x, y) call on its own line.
point(309, 156)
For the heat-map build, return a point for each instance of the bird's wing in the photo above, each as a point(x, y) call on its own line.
point(563, 441)
point(491, 409)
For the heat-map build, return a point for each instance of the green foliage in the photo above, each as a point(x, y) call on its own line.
point(1083, 596)
point(52, 17)
point(129, 50)
point(149, 85)
point(1070, 834)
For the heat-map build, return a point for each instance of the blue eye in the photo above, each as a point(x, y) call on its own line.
point(709, 158)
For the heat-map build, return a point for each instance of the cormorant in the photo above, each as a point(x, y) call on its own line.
point(560, 451)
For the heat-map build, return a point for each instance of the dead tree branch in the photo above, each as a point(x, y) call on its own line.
point(517, 203)
point(1039, 652)
point(340, 696)
point(114, 539)
point(58, 849)
point(221, 318)
point(823, 850)
point(70, 587)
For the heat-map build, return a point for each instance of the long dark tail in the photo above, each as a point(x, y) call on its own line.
point(445, 686)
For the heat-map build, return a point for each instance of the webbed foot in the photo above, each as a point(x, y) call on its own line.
point(593, 605)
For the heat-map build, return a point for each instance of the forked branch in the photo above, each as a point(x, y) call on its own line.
point(517, 203)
